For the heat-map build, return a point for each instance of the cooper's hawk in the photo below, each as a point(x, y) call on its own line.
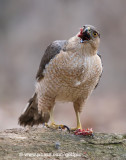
point(69, 71)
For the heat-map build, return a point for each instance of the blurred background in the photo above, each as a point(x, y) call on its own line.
point(28, 27)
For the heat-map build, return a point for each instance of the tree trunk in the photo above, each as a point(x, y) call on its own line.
point(43, 143)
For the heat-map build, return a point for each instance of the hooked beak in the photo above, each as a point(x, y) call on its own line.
point(84, 34)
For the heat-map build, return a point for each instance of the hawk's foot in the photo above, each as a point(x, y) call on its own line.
point(55, 126)
point(78, 127)
point(74, 129)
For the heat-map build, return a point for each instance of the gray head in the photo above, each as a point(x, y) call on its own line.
point(89, 34)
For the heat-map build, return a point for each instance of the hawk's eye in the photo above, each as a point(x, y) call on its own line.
point(95, 34)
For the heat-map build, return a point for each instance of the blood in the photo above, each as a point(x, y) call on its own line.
point(87, 132)
point(81, 33)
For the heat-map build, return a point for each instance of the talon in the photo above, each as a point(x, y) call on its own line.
point(63, 127)
point(54, 126)
point(68, 129)
point(74, 129)
point(46, 124)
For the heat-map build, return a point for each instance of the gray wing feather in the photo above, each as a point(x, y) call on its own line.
point(99, 54)
point(52, 50)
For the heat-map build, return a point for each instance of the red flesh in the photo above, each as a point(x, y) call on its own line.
point(81, 32)
point(87, 132)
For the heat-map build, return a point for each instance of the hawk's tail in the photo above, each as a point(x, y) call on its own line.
point(31, 116)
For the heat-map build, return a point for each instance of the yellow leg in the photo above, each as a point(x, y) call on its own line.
point(77, 107)
point(51, 117)
point(78, 121)
point(77, 116)
point(52, 122)
point(53, 125)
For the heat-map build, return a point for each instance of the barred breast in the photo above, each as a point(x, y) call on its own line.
point(70, 76)
point(82, 79)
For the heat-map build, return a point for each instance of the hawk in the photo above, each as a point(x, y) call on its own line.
point(69, 71)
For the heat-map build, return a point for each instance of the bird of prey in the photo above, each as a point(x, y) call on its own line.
point(69, 71)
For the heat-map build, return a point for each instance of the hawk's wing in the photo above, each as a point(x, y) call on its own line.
point(52, 50)
point(102, 71)
point(99, 54)
point(31, 116)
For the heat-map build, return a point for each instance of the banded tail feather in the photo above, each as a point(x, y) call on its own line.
point(31, 116)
